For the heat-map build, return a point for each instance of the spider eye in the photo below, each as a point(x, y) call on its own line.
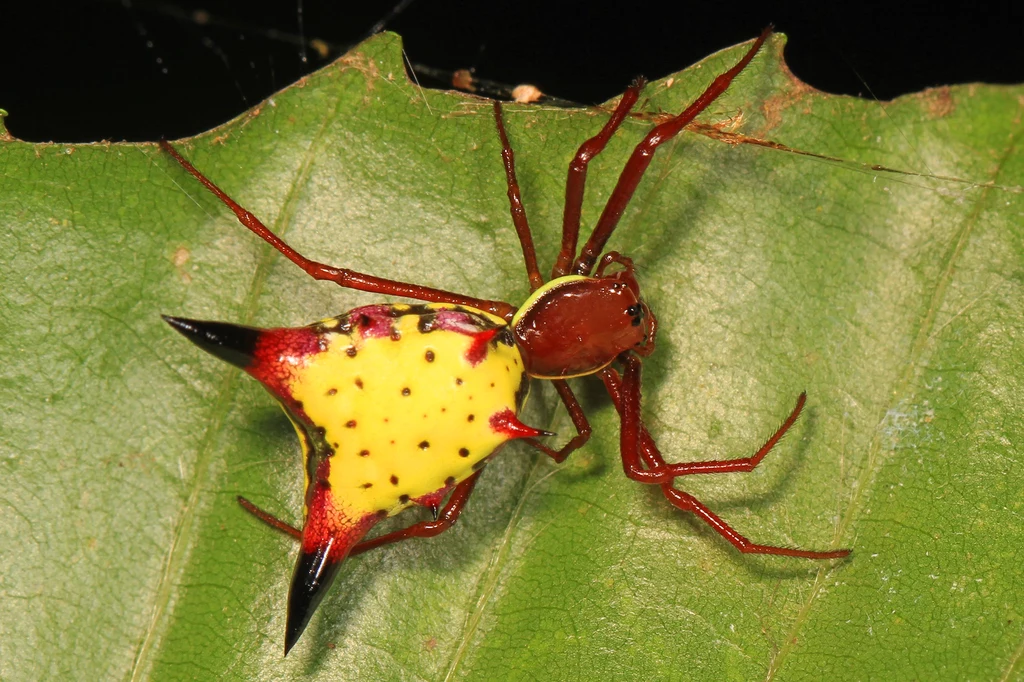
point(633, 310)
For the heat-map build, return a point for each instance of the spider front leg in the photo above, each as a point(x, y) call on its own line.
point(636, 444)
point(444, 519)
point(341, 276)
point(576, 179)
point(642, 155)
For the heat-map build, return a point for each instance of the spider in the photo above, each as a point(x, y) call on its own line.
point(355, 386)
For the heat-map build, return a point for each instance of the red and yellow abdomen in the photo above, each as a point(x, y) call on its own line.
point(395, 405)
point(410, 401)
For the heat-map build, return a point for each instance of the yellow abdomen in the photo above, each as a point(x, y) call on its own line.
point(403, 402)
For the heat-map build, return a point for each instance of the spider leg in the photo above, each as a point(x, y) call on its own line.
point(579, 420)
point(648, 449)
point(340, 276)
point(515, 202)
point(687, 502)
point(445, 519)
point(652, 458)
point(270, 519)
point(577, 177)
point(641, 157)
point(636, 444)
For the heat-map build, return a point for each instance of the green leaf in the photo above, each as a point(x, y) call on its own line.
point(896, 301)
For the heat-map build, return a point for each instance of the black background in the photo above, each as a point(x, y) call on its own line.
point(86, 71)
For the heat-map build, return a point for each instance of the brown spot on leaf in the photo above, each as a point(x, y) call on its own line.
point(939, 102)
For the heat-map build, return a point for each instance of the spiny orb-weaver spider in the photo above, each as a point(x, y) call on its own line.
point(403, 404)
